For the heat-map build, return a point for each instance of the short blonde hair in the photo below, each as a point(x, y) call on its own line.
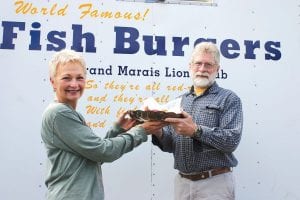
point(206, 47)
point(63, 57)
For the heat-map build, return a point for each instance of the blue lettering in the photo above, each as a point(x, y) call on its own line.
point(199, 40)
point(9, 34)
point(60, 44)
point(250, 47)
point(230, 45)
point(160, 45)
point(126, 42)
point(270, 49)
point(178, 44)
point(77, 39)
point(121, 40)
point(35, 37)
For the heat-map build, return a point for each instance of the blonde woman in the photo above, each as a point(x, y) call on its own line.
point(74, 152)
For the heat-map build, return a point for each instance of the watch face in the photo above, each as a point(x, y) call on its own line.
point(198, 131)
point(141, 115)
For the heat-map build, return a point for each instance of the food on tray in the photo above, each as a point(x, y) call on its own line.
point(141, 115)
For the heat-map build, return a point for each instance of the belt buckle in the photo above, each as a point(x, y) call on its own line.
point(210, 173)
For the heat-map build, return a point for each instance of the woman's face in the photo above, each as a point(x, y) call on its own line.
point(69, 83)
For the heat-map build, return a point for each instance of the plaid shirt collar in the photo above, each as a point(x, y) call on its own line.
point(214, 88)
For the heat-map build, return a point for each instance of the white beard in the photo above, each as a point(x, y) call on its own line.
point(203, 82)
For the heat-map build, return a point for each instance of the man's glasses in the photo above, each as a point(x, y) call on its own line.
point(206, 65)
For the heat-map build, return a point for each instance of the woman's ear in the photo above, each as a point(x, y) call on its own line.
point(53, 84)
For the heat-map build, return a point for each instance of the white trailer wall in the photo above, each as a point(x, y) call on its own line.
point(265, 77)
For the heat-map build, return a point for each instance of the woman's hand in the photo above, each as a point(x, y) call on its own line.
point(126, 122)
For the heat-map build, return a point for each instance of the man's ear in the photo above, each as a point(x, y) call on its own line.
point(190, 66)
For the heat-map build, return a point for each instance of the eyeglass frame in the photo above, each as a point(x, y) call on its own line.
point(206, 65)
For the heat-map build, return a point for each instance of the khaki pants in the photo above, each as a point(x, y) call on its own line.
point(219, 187)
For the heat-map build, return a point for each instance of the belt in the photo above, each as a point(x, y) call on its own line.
point(206, 174)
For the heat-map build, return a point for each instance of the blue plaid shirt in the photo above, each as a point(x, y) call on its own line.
point(219, 113)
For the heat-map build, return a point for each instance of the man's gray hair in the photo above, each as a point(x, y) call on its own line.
point(206, 47)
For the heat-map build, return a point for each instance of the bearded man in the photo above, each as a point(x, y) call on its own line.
point(203, 141)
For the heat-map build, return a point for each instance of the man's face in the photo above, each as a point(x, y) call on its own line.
point(203, 70)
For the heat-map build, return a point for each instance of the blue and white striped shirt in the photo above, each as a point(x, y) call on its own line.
point(218, 112)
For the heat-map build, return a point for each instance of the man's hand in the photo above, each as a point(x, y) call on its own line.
point(154, 127)
point(183, 126)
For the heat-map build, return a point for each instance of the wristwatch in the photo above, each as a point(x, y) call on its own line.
point(197, 132)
